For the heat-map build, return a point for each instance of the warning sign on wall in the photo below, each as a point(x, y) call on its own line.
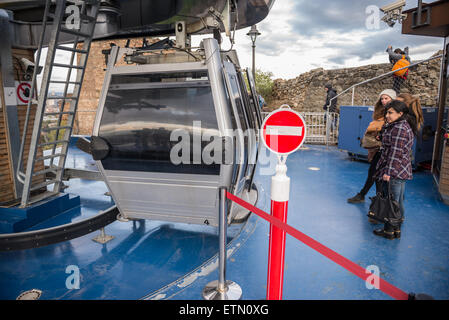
point(23, 92)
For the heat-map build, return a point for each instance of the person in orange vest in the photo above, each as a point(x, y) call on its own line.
point(398, 59)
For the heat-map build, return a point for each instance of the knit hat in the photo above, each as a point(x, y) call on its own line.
point(389, 92)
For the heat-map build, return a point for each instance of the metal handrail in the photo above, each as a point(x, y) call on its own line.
point(381, 76)
point(19, 174)
point(367, 81)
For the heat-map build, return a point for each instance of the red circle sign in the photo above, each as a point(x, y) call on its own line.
point(23, 92)
point(283, 131)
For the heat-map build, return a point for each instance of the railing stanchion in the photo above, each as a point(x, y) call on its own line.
point(353, 93)
point(280, 194)
point(222, 289)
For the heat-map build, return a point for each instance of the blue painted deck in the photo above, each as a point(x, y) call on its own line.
point(158, 260)
point(418, 262)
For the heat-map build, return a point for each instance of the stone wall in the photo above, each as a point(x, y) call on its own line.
point(306, 92)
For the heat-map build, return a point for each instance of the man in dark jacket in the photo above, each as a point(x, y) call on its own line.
point(330, 94)
point(331, 105)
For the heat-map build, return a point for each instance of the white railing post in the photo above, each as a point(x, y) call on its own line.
point(353, 92)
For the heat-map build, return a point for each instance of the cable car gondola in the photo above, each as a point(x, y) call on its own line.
point(158, 125)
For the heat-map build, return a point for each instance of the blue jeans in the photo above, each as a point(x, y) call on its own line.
point(397, 187)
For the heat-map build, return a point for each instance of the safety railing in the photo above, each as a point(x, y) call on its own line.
point(317, 130)
point(386, 75)
point(322, 127)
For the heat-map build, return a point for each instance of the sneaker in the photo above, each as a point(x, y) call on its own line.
point(358, 198)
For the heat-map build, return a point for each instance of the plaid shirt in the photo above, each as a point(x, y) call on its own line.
point(396, 150)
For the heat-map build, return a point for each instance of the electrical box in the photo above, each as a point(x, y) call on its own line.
point(355, 119)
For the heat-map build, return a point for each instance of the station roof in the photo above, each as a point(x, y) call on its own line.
point(434, 20)
point(128, 18)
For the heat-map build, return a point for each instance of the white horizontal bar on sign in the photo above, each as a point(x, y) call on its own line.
point(283, 131)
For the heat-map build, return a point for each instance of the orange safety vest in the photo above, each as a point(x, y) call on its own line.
point(400, 64)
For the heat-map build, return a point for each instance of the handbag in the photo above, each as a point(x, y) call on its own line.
point(369, 141)
point(384, 208)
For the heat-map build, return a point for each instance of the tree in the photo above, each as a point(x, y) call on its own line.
point(264, 83)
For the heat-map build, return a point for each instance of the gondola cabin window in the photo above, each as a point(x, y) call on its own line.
point(142, 111)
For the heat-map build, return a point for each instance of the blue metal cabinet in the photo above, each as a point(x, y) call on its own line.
point(423, 147)
point(355, 119)
point(353, 122)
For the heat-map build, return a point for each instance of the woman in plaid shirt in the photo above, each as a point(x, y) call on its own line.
point(395, 165)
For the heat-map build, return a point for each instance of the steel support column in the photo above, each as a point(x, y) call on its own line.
point(9, 97)
point(442, 96)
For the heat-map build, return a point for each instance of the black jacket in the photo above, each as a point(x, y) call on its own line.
point(330, 94)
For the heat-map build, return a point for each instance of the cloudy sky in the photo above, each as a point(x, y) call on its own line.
point(301, 35)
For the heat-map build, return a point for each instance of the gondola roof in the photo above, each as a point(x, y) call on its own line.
point(133, 18)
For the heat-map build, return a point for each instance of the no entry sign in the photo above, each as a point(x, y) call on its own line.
point(23, 92)
point(283, 131)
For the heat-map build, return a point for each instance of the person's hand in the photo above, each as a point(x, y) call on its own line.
point(386, 177)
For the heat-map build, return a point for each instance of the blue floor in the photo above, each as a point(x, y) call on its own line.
point(143, 257)
point(158, 260)
point(322, 180)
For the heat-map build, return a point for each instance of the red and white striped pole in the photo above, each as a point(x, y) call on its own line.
point(283, 132)
point(280, 190)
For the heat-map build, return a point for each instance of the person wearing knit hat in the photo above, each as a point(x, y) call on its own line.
point(389, 92)
point(373, 130)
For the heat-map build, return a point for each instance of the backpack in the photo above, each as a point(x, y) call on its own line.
point(400, 64)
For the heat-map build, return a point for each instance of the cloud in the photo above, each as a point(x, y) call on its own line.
point(317, 17)
point(336, 31)
point(372, 44)
point(274, 44)
point(300, 35)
